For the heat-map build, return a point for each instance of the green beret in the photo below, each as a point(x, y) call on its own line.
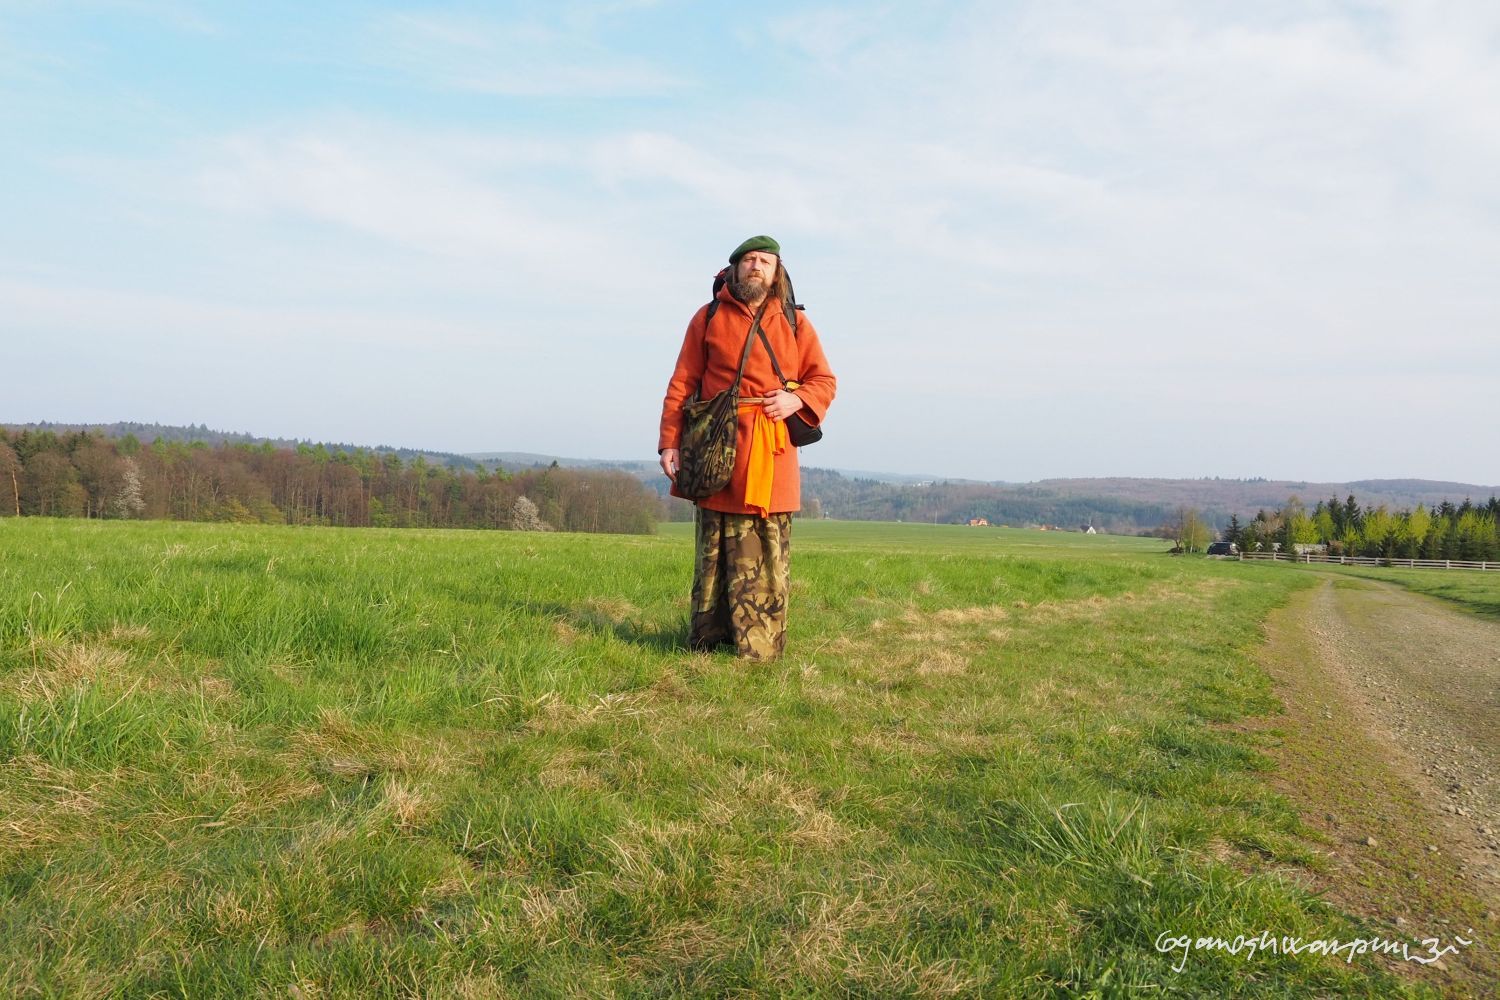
point(755, 243)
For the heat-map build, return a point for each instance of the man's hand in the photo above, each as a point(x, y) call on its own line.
point(782, 404)
point(670, 461)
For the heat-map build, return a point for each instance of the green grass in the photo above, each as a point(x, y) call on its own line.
point(238, 760)
point(1477, 591)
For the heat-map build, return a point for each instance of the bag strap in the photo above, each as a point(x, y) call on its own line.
point(791, 309)
point(774, 366)
point(745, 354)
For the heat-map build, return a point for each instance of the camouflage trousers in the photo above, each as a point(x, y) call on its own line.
point(740, 583)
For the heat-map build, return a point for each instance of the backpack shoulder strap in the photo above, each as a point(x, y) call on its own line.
point(790, 305)
point(791, 309)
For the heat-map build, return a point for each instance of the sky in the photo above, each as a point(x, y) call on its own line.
point(1037, 239)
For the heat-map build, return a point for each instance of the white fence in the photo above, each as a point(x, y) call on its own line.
point(1314, 557)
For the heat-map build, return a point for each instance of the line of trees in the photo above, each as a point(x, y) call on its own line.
point(88, 475)
point(1187, 531)
point(955, 503)
point(1443, 531)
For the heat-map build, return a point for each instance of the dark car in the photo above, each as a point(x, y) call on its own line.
point(1223, 549)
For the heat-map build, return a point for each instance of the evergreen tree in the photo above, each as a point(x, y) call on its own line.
point(1336, 514)
point(1233, 532)
point(1352, 516)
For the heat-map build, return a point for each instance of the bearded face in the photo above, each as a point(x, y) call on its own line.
point(753, 276)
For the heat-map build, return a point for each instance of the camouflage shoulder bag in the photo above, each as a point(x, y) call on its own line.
point(710, 429)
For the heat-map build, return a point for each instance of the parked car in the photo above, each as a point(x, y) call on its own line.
point(1223, 549)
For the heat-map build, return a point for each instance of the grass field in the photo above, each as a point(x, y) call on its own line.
point(1477, 591)
point(257, 761)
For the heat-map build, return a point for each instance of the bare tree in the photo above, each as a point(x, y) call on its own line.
point(1191, 534)
point(100, 472)
point(52, 486)
point(10, 466)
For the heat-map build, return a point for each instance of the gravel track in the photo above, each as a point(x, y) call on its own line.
point(1424, 680)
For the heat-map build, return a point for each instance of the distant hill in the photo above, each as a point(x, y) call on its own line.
point(530, 459)
point(526, 459)
point(1118, 505)
point(146, 433)
point(1123, 505)
point(1246, 496)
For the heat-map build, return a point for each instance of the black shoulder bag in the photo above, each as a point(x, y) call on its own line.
point(798, 430)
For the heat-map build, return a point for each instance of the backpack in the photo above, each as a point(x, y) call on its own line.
point(798, 429)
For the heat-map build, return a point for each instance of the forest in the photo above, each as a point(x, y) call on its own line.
point(77, 474)
point(827, 492)
point(1442, 531)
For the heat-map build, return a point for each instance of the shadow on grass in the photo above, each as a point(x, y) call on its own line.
point(601, 620)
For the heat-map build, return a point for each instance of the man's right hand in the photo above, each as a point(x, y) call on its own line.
point(670, 462)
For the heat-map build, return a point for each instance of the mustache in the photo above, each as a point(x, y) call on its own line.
point(752, 286)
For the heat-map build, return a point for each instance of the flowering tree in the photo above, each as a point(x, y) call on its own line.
point(524, 516)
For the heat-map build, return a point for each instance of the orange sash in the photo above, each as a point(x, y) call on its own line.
point(767, 440)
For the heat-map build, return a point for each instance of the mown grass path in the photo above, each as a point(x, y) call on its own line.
point(251, 761)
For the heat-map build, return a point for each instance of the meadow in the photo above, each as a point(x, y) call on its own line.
point(1476, 591)
point(269, 761)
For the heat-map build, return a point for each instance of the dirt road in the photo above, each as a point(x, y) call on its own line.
point(1390, 745)
point(1427, 677)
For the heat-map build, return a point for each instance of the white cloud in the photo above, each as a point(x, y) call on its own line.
point(174, 322)
point(418, 201)
point(1043, 215)
point(485, 209)
point(517, 59)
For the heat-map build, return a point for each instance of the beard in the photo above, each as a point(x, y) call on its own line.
point(752, 290)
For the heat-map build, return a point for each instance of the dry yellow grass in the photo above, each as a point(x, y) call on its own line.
point(550, 713)
point(568, 767)
point(67, 666)
point(49, 807)
point(548, 914)
point(119, 632)
point(681, 943)
point(405, 806)
point(235, 911)
point(819, 948)
point(818, 830)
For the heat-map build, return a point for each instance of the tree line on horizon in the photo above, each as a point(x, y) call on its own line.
point(87, 475)
point(1446, 530)
point(942, 502)
point(190, 433)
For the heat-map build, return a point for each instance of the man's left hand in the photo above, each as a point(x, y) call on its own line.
point(782, 404)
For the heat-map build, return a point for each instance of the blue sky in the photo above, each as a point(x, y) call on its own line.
point(1037, 238)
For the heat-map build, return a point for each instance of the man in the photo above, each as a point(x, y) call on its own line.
point(740, 572)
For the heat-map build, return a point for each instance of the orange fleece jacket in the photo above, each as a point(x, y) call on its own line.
point(802, 360)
